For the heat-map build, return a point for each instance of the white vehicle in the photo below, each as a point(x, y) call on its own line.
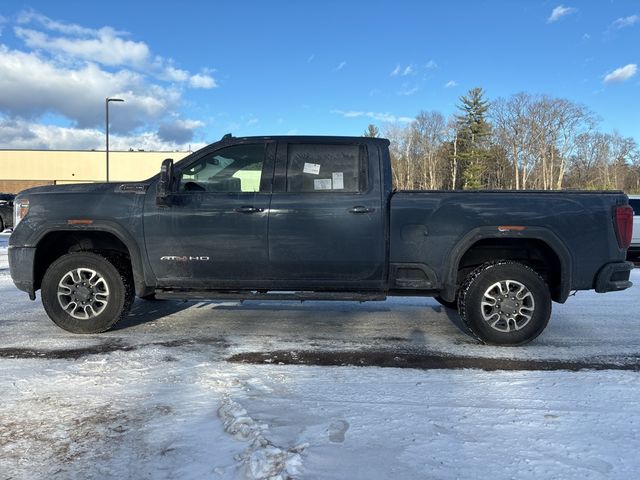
point(634, 248)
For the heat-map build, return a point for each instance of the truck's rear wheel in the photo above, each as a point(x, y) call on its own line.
point(505, 303)
point(85, 292)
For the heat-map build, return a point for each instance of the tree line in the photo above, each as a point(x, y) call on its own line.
point(521, 142)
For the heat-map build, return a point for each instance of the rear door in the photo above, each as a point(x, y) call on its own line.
point(326, 223)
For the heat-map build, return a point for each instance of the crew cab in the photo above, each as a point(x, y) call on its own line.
point(301, 218)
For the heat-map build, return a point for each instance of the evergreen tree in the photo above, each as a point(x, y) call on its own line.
point(473, 136)
point(371, 131)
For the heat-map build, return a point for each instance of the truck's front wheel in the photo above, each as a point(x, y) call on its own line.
point(505, 303)
point(85, 292)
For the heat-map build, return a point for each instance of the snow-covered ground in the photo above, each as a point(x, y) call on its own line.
point(159, 397)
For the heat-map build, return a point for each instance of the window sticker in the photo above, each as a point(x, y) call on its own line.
point(322, 184)
point(312, 168)
point(338, 180)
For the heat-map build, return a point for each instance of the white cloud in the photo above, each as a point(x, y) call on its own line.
point(201, 80)
point(31, 86)
point(431, 64)
point(105, 46)
point(311, 58)
point(23, 134)
point(403, 71)
point(31, 16)
point(623, 22)
point(451, 84)
point(621, 74)
point(66, 71)
point(3, 20)
point(340, 66)
point(559, 12)
point(379, 116)
point(175, 74)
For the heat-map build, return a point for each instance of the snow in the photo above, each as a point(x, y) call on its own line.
point(158, 397)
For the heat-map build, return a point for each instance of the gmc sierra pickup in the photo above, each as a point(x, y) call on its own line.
point(313, 218)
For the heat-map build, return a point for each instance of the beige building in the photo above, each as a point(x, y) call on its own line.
point(20, 169)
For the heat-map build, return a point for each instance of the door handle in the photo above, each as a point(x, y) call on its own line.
point(360, 209)
point(248, 209)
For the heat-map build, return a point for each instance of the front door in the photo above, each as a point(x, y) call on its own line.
point(214, 233)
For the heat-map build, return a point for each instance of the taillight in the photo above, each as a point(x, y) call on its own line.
point(624, 225)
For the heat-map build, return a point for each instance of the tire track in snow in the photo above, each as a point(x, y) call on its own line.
point(432, 361)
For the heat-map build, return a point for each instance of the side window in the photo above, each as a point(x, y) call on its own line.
point(635, 204)
point(322, 168)
point(231, 169)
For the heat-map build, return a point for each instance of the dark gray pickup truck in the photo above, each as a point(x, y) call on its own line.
point(313, 218)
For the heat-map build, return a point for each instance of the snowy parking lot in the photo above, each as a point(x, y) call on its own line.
point(339, 390)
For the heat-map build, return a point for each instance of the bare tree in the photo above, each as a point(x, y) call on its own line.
point(512, 131)
point(428, 130)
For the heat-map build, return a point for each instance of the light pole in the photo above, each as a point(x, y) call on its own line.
point(106, 104)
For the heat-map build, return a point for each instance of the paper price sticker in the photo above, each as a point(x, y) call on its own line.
point(322, 184)
point(338, 180)
point(312, 168)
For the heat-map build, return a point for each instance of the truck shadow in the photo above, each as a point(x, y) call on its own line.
point(144, 311)
point(330, 306)
point(455, 319)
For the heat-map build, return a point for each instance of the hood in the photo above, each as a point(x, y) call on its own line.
point(114, 187)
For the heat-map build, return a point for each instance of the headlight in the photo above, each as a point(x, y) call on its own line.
point(20, 209)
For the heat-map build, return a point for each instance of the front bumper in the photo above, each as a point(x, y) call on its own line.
point(613, 277)
point(21, 262)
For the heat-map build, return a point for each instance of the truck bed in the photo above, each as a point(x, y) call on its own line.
point(431, 227)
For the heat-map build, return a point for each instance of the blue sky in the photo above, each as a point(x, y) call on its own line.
point(196, 70)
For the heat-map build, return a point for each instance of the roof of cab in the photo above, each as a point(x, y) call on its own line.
point(302, 138)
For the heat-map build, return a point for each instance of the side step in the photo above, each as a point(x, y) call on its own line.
point(262, 295)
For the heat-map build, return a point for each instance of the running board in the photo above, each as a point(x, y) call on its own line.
point(255, 295)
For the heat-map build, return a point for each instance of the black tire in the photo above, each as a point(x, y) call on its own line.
point(115, 290)
point(445, 303)
point(519, 326)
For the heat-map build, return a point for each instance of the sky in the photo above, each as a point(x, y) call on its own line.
point(190, 72)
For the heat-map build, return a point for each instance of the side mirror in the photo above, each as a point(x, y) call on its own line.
point(165, 185)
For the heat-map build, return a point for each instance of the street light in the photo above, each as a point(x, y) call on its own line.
point(106, 104)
